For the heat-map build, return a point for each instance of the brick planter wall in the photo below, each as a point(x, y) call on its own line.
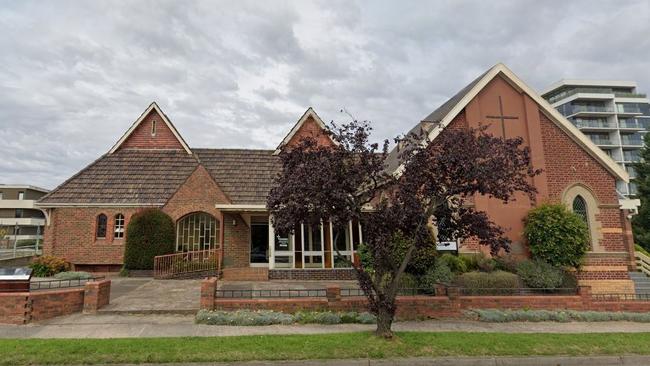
point(25, 307)
point(418, 307)
point(332, 274)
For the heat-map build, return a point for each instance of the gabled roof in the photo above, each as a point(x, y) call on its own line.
point(125, 178)
point(152, 107)
point(245, 176)
point(436, 122)
point(308, 113)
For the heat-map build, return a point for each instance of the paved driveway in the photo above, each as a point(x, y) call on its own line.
point(146, 295)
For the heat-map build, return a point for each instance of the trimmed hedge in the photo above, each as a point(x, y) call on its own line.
point(269, 317)
point(539, 274)
point(148, 234)
point(556, 235)
point(562, 316)
point(491, 280)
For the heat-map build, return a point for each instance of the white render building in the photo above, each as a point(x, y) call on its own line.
point(611, 113)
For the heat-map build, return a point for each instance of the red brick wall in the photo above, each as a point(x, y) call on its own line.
point(141, 137)
point(198, 193)
point(415, 307)
point(96, 295)
point(50, 304)
point(14, 307)
point(25, 307)
point(310, 128)
point(71, 235)
point(236, 241)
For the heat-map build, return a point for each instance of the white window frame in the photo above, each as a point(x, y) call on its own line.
point(118, 227)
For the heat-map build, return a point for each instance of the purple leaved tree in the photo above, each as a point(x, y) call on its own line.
point(402, 213)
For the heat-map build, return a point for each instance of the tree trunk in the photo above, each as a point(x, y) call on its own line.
point(384, 322)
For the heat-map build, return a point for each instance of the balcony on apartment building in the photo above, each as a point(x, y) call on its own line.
point(634, 123)
point(593, 123)
point(601, 139)
point(631, 140)
point(631, 156)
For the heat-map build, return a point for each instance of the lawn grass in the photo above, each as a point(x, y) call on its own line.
point(321, 346)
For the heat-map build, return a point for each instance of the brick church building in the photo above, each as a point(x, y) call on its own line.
point(217, 196)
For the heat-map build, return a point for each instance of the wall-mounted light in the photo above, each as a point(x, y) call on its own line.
point(234, 222)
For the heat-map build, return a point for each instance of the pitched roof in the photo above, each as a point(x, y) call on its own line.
point(443, 116)
point(310, 112)
point(245, 176)
point(152, 107)
point(138, 177)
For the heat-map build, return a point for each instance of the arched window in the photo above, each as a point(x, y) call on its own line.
point(101, 226)
point(118, 232)
point(580, 208)
point(197, 231)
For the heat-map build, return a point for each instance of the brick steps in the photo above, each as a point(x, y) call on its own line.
point(245, 274)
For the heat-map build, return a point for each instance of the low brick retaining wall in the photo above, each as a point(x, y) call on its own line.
point(420, 306)
point(25, 307)
point(313, 274)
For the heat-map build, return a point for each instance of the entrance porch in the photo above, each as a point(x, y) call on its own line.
point(310, 253)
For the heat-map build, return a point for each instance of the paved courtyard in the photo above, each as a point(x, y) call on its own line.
point(146, 295)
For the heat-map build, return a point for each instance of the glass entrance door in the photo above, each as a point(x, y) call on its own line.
point(260, 242)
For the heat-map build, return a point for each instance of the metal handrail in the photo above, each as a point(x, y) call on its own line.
point(270, 293)
point(184, 263)
point(642, 262)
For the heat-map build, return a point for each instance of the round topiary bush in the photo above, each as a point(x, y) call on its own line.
point(148, 234)
point(556, 235)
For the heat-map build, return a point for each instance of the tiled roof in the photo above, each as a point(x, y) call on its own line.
point(127, 176)
point(245, 176)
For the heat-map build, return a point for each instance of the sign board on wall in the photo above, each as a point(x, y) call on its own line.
point(447, 246)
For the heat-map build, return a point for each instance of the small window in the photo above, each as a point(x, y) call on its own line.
point(101, 226)
point(19, 213)
point(0, 195)
point(153, 128)
point(21, 195)
point(580, 208)
point(119, 226)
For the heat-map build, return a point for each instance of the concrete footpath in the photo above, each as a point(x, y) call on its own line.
point(448, 361)
point(166, 325)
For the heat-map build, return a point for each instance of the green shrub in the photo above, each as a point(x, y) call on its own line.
point(73, 276)
point(268, 317)
point(242, 318)
point(440, 273)
point(485, 263)
point(482, 280)
point(562, 316)
point(48, 265)
point(366, 318)
point(455, 263)
point(506, 262)
point(556, 235)
point(470, 261)
point(148, 234)
point(539, 274)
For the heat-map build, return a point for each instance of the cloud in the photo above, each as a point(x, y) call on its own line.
point(74, 75)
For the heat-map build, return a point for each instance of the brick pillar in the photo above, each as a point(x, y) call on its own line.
point(454, 297)
point(333, 293)
point(96, 295)
point(585, 295)
point(208, 289)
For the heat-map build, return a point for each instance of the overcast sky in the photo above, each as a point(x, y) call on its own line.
point(74, 75)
